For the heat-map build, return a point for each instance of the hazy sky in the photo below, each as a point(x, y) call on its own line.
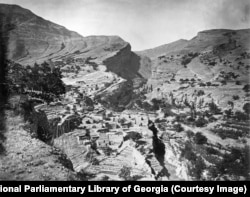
point(143, 23)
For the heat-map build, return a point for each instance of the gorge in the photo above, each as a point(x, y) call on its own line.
point(90, 108)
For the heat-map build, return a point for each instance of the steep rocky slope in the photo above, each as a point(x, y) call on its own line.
point(31, 36)
point(34, 39)
point(213, 55)
point(27, 158)
point(204, 83)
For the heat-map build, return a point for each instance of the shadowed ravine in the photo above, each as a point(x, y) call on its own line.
point(158, 149)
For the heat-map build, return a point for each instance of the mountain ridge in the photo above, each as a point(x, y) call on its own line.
point(33, 39)
point(181, 44)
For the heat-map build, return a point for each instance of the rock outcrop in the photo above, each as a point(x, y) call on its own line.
point(128, 64)
point(173, 158)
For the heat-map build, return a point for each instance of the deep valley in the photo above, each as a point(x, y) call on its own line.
point(89, 108)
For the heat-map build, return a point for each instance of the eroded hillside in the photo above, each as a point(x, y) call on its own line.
point(201, 87)
point(28, 158)
point(176, 112)
point(34, 39)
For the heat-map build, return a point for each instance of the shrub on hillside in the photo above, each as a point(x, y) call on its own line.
point(228, 113)
point(208, 83)
point(178, 128)
point(246, 88)
point(108, 151)
point(125, 173)
point(200, 122)
point(199, 138)
point(186, 61)
point(88, 122)
point(105, 178)
point(246, 108)
point(202, 84)
point(187, 152)
point(95, 162)
point(147, 106)
point(189, 119)
point(240, 116)
point(156, 104)
point(158, 120)
point(214, 108)
point(162, 126)
point(236, 163)
point(223, 82)
point(231, 103)
point(197, 169)
point(212, 151)
point(200, 93)
point(237, 83)
point(190, 134)
point(236, 97)
point(212, 63)
point(167, 111)
point(85, 176)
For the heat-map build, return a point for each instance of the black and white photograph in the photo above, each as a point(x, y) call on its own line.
point(124, 90)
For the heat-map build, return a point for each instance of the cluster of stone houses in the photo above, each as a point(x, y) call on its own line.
point(110, 139)
point(103, 138)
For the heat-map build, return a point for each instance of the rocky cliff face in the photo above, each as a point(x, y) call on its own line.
point(34, 39)
point(128, 64)
point(173, 157)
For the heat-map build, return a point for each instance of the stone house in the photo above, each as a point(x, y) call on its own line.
point(110, 140)
point(83, 139)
